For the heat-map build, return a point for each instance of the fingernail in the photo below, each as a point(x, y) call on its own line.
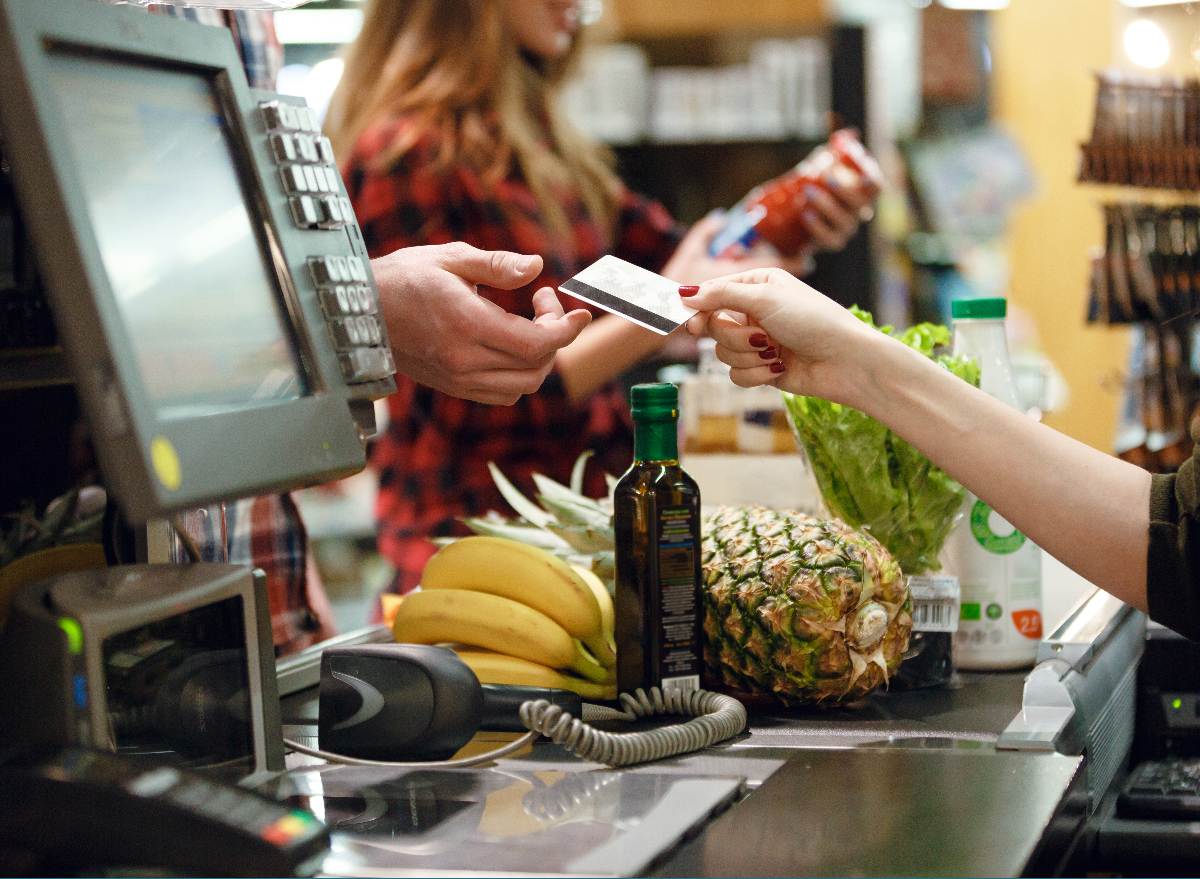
point(523, 262)
point(688, 290)
point(768, 354)
point(810, 190)
point(778, 367)
point(760, 340)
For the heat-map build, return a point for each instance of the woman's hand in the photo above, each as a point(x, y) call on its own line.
point(771, 328)
point(834, 213)
point(691, 264)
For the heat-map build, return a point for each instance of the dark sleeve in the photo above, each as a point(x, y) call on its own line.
point(1173, 561)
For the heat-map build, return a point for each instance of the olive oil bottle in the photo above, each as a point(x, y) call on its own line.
point(656, 517)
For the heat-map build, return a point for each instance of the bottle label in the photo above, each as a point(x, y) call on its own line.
point(993, 532)
point(1000, 576)
point(679, 637)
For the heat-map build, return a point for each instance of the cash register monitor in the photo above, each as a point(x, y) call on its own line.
point(209, 283)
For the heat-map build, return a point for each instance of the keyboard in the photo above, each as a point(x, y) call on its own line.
point(1163, 790)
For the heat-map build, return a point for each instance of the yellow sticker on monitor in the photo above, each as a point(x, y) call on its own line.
point(166, 463)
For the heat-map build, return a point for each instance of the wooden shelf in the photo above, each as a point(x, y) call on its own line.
point(638, 19)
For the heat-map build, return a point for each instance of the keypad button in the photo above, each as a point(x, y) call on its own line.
point(325, 148)
point(341, 267)
point(192, 793)
point(290, 116)
point(347, 209)
point(366, 299)
point(322, 270)
point(283, 147)
point(308, 149)
point(293, 179)
point(310, 177)
point(329, 302)
point(340, 334)
point(332, 178)
point(270, 115)
point(304, 211)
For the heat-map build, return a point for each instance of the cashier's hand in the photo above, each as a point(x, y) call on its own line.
point(446, 336)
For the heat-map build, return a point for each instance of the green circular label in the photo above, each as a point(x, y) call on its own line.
point(981, 527)
point(994, 611)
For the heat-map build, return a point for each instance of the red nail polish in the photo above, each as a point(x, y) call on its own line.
point(769, 354)
point(760, 340)
point(688, 290)
point(778, 367)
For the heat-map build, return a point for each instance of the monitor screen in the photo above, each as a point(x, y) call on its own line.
point(194, 292)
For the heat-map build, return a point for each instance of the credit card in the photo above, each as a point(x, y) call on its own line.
point(638, 295)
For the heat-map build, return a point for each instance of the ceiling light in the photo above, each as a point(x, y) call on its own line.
point(974, 4)
point(329, 26)
point(1146, 44)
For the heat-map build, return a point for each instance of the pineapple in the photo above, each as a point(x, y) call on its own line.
point(805, 609)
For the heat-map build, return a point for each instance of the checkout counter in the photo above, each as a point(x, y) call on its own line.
point(990, 776)
point(997, 775)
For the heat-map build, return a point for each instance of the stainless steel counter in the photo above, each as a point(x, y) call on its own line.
point(900, 784)
point(961, 810)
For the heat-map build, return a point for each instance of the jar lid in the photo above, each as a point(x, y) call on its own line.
point(654, 401)
point(979, 308)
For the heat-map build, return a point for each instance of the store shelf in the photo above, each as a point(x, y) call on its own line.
point(636, 19)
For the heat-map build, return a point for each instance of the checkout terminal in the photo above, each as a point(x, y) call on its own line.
point(211, 303)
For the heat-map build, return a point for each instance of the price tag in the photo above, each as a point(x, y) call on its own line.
point(935, 603)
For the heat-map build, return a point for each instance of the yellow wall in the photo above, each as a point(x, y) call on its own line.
point(1044, 55)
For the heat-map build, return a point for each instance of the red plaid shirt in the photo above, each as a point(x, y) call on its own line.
point(432, 460)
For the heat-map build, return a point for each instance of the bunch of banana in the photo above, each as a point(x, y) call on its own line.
point(542, 619)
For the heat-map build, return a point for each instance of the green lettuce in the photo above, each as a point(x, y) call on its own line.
point(871, 478)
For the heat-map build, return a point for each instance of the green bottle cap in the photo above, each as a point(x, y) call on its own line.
point(979, 309)
point(656, 402)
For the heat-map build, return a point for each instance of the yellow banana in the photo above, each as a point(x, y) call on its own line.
point(499, 668)
point(493, 622)
point(607, 657)
point(523, 573)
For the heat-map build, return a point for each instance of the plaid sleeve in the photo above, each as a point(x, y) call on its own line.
point(646, 234)
point(253, 34)
point(259, 47)
point(268, 533)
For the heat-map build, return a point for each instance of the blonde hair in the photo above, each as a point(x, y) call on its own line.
point(453, 66)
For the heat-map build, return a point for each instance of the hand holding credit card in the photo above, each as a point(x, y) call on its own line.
point(638, 295)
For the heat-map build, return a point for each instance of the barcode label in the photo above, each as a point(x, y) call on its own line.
point(935, 603)
point(691, 682)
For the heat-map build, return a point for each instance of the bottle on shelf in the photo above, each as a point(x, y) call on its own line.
point(999, 569)
point(656, 517)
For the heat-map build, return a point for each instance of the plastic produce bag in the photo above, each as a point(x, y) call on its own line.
point(872, 479)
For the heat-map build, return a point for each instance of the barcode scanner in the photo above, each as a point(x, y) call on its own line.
point(414, 703)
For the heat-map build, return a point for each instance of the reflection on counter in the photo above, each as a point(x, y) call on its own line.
point(511, 820)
